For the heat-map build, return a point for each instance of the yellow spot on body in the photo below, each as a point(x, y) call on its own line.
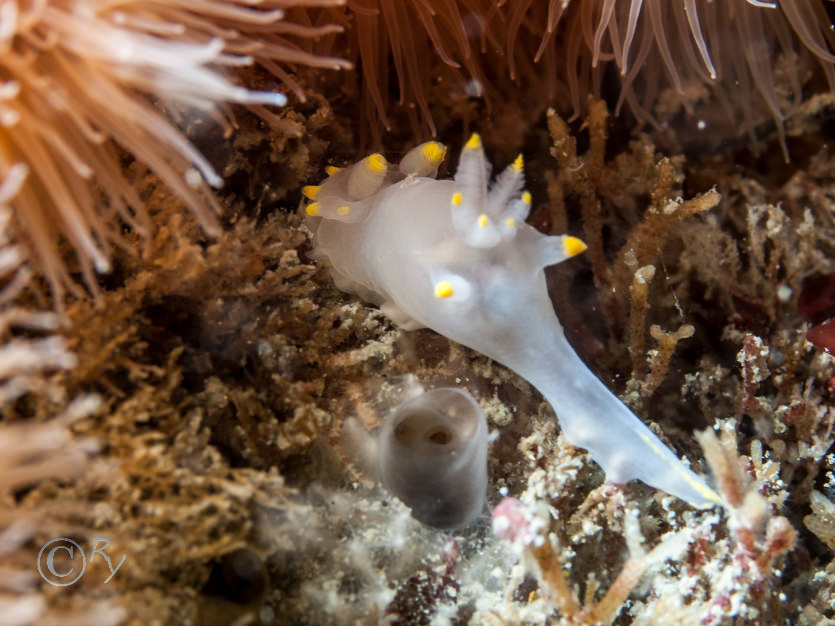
point(473, 143)
point(310, 191)
point(526, 197)
point(433, 151)
point(444, 289)
point(519, 164)
point(330, 170)
point(377, 163)
point(456, 199)
point(343, 210)
point(510, 222)
point(573, 246)
point(313, 209)
point(482, 220)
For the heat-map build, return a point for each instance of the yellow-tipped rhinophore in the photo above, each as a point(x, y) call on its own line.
point(519, 164)
point(444, 289)
point(573, 246)
point(510, 222)
point(367, 176)
point(526, 197)
point(482, 220)
point(313, 209)
point(473, 143)
point(433, 151)
point(310, 191)
point(422, 161)
point(330, 170)
point(456, 199)
point(376, 163)
point(343, 210)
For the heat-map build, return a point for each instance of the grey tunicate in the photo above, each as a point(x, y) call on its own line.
point(432, 454)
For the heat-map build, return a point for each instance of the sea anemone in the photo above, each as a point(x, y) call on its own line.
point(25, 357)
point(559, 52)
point(79, 78)
point(408, 44)
point(731, 47)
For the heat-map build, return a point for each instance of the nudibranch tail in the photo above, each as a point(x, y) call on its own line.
point(592, 417)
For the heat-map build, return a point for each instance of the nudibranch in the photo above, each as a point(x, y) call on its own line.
point(457, 257)
point(431, 452)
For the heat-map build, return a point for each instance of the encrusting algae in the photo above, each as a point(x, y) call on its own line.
point(185, 410)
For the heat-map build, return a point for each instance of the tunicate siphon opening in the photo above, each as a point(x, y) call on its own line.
point(433, 456)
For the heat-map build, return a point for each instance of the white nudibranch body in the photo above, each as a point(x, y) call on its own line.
point(457, 257)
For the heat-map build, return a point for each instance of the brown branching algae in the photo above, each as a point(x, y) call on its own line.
point(170, 433)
